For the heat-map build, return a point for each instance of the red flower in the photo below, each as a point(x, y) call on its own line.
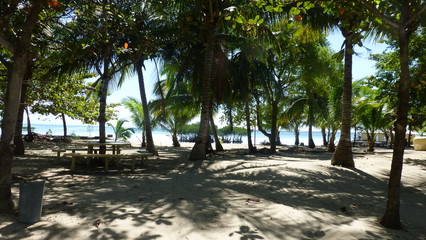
point(53, 4)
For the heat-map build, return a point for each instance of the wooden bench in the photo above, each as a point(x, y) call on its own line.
point(106, 157)
point(58, 152)
point(73, 150)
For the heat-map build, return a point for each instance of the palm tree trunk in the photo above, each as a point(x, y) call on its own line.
point(16, 75)
point(64, 123)
point(10, 116)
point(213, 126)
point(391, 218)
point(29, 129)
point(102, 111)
point(296, 136)
point(354, 140)
point(343, 154)
point(175, 139)
point(371, 141)
point(331, 146)
point(198, 152)
point(19, 143)
point(273, 135)
point(251, 148)
point(143, 144)
point(259, 125)
point(150, 147)
point(311, 143)
point(324, 137)
point(278, 138)
point(391, 138)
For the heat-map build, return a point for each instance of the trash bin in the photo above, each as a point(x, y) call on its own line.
point(30, 201)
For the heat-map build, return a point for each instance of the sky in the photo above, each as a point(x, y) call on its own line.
point(362, 67)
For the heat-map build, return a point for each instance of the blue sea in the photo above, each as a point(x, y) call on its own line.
point(162, 137)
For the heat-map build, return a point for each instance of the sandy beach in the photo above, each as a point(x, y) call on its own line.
point(292, 195)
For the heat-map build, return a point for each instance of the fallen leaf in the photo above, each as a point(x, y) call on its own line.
point(97, 223)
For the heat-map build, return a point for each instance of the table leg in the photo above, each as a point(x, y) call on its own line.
point(106, 164)
point(73, 163)
point(133, 163)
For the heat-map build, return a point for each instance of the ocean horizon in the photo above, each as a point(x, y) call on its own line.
point(162, 137)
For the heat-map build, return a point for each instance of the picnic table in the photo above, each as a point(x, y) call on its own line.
point(116, 154)
point(115, 146)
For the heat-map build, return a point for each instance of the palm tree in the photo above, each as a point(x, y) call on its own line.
point(205, 21)
point(399, 21)
point(372, 117)
point(120, 131)
point(137, 113)
point(176, 109)
point(94, 37)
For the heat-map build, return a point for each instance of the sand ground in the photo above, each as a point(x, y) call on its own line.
point(294, 194)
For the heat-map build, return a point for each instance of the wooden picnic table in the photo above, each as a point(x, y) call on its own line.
point(116, 146)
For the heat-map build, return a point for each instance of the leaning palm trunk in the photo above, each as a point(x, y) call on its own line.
point(21, 58)
point(10, 116)
point(198, 152)
point(150, 147)
point(175, 140)
point(343, 154)
point(216, 138)
point(331, 147)
point(391, 216)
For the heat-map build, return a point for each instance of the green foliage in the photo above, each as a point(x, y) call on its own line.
point(189, 129)
point(175, 106)
point(372, 116)
point(386, 79)
point(234, 131)
point(421, 129)
point(70, 96)
point(136, 110)
point(120, 131)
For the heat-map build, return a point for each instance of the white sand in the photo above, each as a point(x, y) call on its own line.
point(289, 195)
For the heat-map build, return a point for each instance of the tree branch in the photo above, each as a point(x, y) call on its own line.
point(415, 15)
point(8, 13)
point(7, 44)
point(376, 12)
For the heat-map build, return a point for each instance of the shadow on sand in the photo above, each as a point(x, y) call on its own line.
point(207, 195)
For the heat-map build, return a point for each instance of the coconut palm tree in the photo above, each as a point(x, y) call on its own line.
point(176, 109)
point(137, 113)
point(120, 131)
point(399, 21)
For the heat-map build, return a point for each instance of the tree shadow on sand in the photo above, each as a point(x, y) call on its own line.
point(209, 195)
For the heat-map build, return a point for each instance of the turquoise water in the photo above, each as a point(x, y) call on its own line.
point(162, 137)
